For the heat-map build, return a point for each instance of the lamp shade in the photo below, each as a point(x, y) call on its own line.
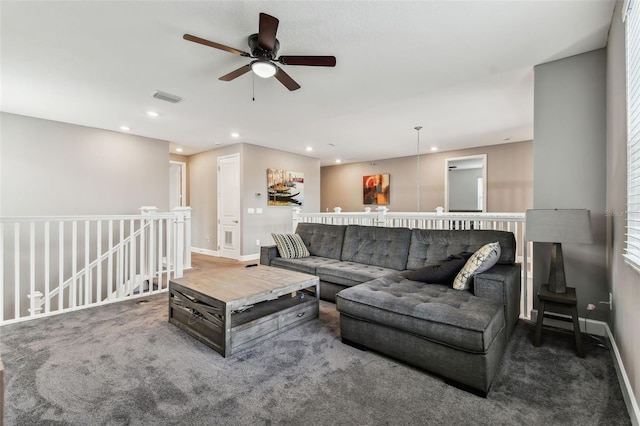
point(558, 226)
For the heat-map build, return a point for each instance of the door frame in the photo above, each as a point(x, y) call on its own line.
point(183, 183)
point(220, 225)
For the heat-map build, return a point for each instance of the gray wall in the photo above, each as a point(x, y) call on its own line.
point(202, 186)
point(254, 161)
point(624, 282)
point(53, 168)
point(569, 170)
point(48, 168)
point(509, 180)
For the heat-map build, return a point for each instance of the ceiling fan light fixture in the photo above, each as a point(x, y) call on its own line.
point(264, 69)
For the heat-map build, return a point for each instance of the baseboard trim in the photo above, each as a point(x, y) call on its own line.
point(214, 253)
point(249, 257)
point(588, 326)
point(601, 328)
point(204, 251)
point(623, 378)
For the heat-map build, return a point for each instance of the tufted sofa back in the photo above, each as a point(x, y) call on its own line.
point(399, 248)
point(432, 246)
point(322, 240)
point(378, 246)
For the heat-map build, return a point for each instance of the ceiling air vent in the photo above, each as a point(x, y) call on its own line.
point(164, 96)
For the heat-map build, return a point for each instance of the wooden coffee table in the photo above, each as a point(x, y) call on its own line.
point(233, 308)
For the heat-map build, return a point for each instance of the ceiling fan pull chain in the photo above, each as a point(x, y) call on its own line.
point(253, 90)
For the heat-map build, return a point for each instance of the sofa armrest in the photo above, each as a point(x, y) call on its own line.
point(267, 253)
point(502, 283)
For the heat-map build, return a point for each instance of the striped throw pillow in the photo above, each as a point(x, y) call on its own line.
point(290, 246)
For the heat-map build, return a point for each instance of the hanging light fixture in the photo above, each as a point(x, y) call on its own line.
point(418, 167)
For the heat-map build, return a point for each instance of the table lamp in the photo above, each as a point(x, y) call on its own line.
point(558, 226)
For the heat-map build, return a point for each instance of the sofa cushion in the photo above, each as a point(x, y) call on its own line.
point(351, 273)
point(435, 312)
point(375, 245)
point(290, 246)
point(307, 265)
point(483, 259)
point(322, 240)
point(433, 246)
point(440, 274)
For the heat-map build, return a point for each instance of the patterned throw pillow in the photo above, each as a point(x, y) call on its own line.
point(483, 259)
point(290, 246)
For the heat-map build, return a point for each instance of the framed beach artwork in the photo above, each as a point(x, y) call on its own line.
point(375, 189)
point(285, 188)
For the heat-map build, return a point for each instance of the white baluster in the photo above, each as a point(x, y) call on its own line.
point(16, 272)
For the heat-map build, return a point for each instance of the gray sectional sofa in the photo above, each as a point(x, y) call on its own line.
point(460, 335)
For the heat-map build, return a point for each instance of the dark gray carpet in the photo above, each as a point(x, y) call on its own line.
point(124, 364)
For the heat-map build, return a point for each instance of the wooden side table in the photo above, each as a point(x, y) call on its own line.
point(565, 301)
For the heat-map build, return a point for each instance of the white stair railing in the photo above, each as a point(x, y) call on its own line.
point(51, 265)
point(88, 270)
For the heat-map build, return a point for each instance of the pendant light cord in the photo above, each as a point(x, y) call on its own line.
point(418, 168)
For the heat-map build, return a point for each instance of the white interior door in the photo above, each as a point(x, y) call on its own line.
point(177, 184)
point(229, 229)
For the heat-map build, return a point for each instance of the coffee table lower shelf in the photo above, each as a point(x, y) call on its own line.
point(227, 331)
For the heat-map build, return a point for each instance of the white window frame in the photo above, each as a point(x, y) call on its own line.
point(631, 16)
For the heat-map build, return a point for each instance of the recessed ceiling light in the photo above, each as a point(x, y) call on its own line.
point(338, 161)
point(125, 128)
point(434, 148)
point(178, 149)
point(235, 135)
point(152, 113)
point(309, 149)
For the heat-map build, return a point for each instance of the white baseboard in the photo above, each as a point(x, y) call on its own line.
point(586, 325)
point(250, 257)
point(601, 328)
point(204, 251)
point(214, 253)
point(625, 385)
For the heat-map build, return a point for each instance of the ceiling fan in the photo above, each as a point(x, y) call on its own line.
point(264, 48)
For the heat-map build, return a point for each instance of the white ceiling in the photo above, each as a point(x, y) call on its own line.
point(461, 69)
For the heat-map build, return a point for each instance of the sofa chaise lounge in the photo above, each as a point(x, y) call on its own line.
point(458, 334)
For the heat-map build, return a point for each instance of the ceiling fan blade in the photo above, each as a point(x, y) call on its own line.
point(237, 73)
point(313, 61)
point(267, 29)
point(287, 81)
point(213, 44)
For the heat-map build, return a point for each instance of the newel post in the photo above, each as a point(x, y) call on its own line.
point(147, 250)
point(382, 212)
point(186, 215)
point(179, 244)
point(296, 217)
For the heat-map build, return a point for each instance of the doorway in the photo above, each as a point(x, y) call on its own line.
point(465, 184)
point(177, 184)
point(229, 229)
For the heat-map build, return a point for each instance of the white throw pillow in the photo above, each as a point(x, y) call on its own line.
point(290, 246)
point(483, 259)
